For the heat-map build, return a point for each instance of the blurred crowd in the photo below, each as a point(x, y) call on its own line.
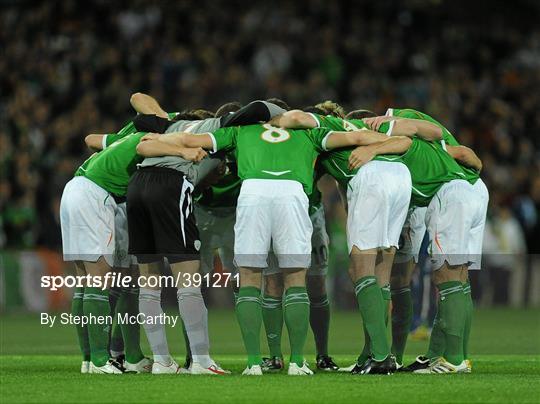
point(68, 69)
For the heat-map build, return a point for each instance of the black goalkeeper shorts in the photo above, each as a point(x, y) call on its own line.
point(160, 216)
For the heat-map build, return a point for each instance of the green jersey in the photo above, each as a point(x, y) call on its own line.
point(112, 167)
point(267, 152)
point(431, 167)
point(471, 174)
point(336, 162)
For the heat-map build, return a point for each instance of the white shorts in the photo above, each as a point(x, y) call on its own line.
point(476, 236)
point(378, 200)
point(412, 234)
point(216, 232)
point(87, 219)
point(272, 211)
point(319, 248)
point(453, 220)
point(121, 257)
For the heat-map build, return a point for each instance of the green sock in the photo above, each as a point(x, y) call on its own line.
point(296, 314)
point(366, 350)
point(128, 303)
point(437, 341)
point(116, 342)
point(371, 304)
point(319, 319)
point(248, 311)
point(82, 332)
point(96, 304)
point(469, 309)
point(452, 306)
point(272, 314)
point(402, 314)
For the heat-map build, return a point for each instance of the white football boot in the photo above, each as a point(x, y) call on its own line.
point(85, 367)
point(295, 370)
point(442, 366)
point(254, 370)
point(172, 368)
point(348, 369)
point(143, 366)
point(213, 369)
point(111, 367)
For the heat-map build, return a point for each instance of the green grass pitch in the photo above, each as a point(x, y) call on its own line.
point(39, 364)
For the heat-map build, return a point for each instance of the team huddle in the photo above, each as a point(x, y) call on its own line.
point(170, 189)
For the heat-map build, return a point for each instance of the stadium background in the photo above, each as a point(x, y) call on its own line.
point(68, 69)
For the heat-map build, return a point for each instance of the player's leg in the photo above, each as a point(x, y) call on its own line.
point(77, 311)
point(252, 235)
point(370, 300)
point(405, 261)
point(319, 308)
point(150, 307)
point(383, 266)
point(272, 313)
point(296, 315)
point(142, 187)
point(476, 238)
point(128, 308)
point(448, 220)
point(195, 317)
point(116, 342)
point(291, 237)
point(402, 306)
point(249, 314)
point(88, 235)
point(96, 305)
point(378, 199)
point(128, 300)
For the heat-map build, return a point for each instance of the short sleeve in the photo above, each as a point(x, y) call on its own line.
point(331, 122)
point(387, 127)
point(319, 136)
point(224, 138)
point(109, 139)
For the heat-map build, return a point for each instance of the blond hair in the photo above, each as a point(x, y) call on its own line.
point(331, 108)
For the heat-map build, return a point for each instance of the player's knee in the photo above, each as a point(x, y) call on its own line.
point(250, 277)
point(293, 278)
point(273, 285)
point(447, 273)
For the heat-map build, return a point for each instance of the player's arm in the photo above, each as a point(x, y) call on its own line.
point(154, 145)
point(393, 145)
point(295, 119)
point(255, 112)
point(335, 140)
point(405, 127)
point(145, 104)
point(465, 156)
point(94, 141)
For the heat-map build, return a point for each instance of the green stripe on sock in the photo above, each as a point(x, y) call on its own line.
point(249, 314)
point(296, 313)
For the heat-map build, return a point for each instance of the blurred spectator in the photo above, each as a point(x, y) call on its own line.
point(504, 258)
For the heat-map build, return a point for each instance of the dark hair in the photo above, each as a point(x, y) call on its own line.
point(279, 103)
point(314, 110)
point(360, 114)
point(193, 115)
point(227, 108)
